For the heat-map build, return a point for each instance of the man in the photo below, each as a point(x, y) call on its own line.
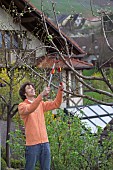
point(31, 111)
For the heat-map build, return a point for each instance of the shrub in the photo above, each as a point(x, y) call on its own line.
point(3, 153)
point(73, 146)
point(17, 145)
point(3, 164)
point(17, 163)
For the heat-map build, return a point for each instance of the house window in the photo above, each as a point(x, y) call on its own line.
point(15, 40)
point(12, 39)
point(7, 39)
point(84, 47)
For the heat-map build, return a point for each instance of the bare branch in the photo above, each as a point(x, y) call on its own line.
point(106, 80)
point(3, 98)
point(105, 36)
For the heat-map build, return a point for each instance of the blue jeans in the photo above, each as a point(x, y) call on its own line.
point(39, 152)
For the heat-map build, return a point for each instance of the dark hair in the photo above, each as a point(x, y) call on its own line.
point(22, 90)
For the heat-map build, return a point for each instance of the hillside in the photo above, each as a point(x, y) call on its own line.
point(65, 6)
point(72, 6)
point(103, 3)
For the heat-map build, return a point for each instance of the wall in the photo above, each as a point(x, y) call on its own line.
point(76, 100)
point(6, 23)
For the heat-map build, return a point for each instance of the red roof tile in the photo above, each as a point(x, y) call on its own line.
point(48, 61)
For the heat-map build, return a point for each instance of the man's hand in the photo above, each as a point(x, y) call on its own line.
point(46, 91)
point(61, 87)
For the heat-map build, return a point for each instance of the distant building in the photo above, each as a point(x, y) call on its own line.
point(70, 21)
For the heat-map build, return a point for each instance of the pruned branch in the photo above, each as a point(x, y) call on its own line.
point(3, 98)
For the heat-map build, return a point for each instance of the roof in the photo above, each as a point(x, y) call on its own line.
point(94, 19)
point(95, 44)
point(93, 115)
point(48, 61)
point(62, 17)
point(32, 21)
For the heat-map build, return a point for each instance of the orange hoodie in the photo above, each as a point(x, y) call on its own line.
point(33, 116)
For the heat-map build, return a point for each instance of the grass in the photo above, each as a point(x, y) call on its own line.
point(69, 7)
point(97, 96)
point(64, 6)
point(98, 85)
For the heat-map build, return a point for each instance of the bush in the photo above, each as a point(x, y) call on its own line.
point(3, 164)
point(17, 144)
point(73, 146)
point(3, 153)
point(17, 163)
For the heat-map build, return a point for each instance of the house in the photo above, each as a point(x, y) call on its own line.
point(92, 21)
point(72, 21)
point(91, 39)
point(22, 33)
point(97, 46)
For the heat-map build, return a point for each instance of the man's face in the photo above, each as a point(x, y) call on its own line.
point(29, 91)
